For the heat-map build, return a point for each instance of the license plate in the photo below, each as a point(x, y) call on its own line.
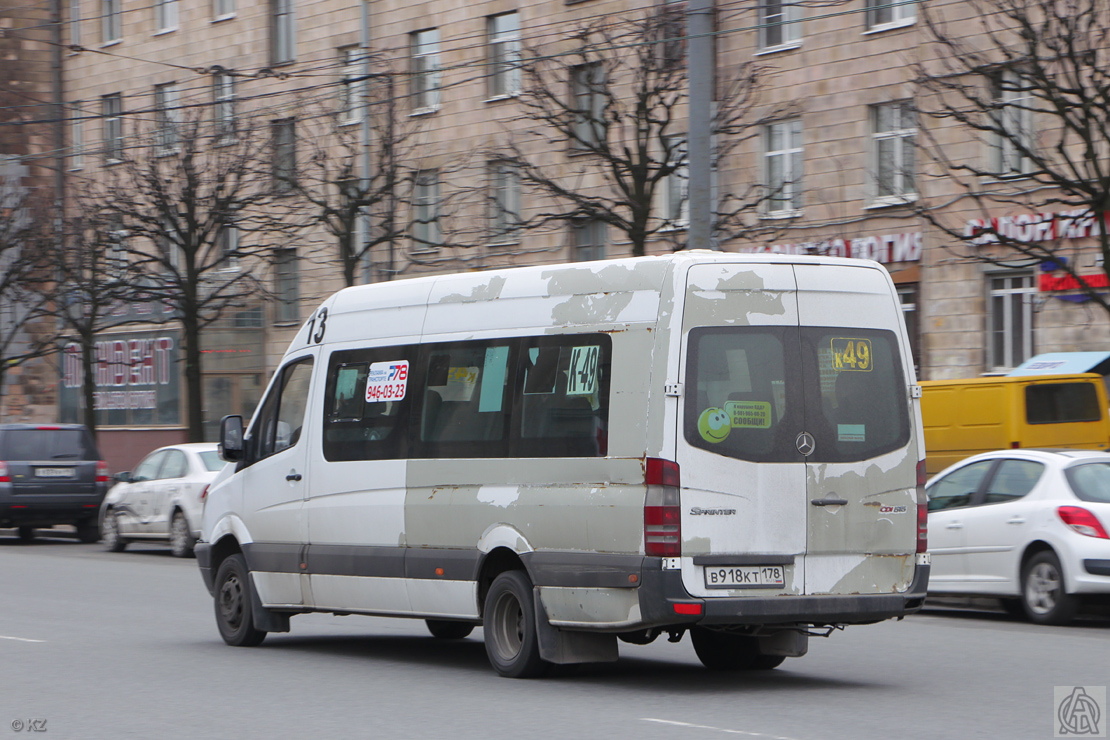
point(745, 576)
point(55, 473)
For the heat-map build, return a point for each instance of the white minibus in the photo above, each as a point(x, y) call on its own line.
point(725, 445)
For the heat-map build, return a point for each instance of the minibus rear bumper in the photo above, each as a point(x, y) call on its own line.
point(664, 601)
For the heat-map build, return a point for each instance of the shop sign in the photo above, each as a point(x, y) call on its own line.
point(888, 248)
point(136, 379)
point(1033, 227)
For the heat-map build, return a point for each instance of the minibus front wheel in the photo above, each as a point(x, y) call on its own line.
point(509, 624)
point(234, 609)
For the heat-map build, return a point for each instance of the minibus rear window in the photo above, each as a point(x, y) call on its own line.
point(1061, 403)
point(754, 390)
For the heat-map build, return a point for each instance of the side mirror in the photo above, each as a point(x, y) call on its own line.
point(231, 438)
point(124, 477)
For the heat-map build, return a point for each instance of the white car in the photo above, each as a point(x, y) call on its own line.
point(1027, 526)
point(161, 499)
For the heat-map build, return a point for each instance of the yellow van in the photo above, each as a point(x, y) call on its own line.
point(971, 415)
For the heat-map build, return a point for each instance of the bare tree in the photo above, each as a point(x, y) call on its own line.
point(24, 224)
point(617, 98)
point(186, 210)
point(358, 190)
point(1028, 81)
point(82, 297)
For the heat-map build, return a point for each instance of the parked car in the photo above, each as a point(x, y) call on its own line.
point(1027, 526)
point(161, 499)
point(50, 474)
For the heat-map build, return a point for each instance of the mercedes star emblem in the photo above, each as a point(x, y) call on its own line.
point(805, 443)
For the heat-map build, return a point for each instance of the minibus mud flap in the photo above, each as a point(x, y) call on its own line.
point(265, 619)
point(563, 646)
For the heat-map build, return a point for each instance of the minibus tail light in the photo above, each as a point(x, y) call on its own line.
point(662, 525)
point(922, 509)
point(5, 477)
point(102, 472)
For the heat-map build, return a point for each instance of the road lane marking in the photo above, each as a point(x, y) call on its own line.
point(715, 729)
point(19, 639)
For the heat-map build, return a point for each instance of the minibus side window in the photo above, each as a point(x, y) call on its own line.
point(281, 416)
point(367, 399)
point(465, 407)
point(564, 404)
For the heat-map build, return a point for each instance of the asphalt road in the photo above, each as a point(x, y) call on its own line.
point(101, 645)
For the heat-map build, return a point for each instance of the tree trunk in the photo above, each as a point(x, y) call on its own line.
point(88, 382)
point(194, 399)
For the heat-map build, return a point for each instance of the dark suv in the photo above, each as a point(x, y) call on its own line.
point(50, 474)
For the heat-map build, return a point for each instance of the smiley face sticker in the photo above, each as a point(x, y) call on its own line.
point(714, 424)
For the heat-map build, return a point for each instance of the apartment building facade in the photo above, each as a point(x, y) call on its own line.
point(840, 159)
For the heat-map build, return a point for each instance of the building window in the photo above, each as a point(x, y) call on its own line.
point(504, 201)
point(227, 246)
point(587, 88)
point(165, 15)
point(779, 24)
point(890, 12)
point(425, 70)
point(283, 32)
point(223, 9)
point(588, 240)
point(283, 135)
point(111, 21)
point(223, 107)
point(1010, 318)
point(76, 136)
point(907, 294)
point(116, 257)
point(672, 28)
point(676, 187)
point(894, 130)
point(783, 167)
point(286, 286)
point(425, 217)
point(350, 85)
point(1013, 112)
point(111, 116)
point(75, 22)
point(166, 118)
point(504, 54)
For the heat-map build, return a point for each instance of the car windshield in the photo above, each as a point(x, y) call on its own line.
point(1091, 481)
point(212, 461)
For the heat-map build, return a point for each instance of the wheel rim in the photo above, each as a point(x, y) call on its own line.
point(1042, 588)
point(231, 601)
point(178, 534)
point(508, 626)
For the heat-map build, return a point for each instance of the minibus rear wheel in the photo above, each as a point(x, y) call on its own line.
point(725, 651)
point(234, 612)
point(509, 624)
point(446, 629)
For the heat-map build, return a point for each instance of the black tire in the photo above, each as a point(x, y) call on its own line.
point(181, 537)
point(234, 610)
point(444, 629)
point(88, 532)
point(26, 534)
point(509, 624)
point(109, 533)
point(724, 651)
point(1043, 592)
